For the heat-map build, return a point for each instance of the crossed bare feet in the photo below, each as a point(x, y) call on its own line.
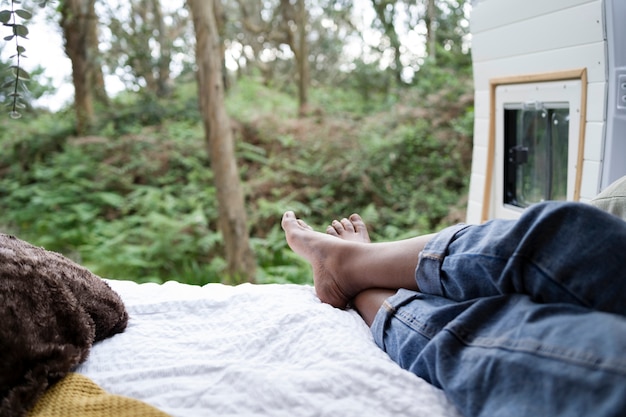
point(329, 257)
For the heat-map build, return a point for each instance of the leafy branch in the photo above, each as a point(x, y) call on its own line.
point(14, 19)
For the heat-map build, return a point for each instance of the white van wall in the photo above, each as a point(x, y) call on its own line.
point(615, 144)
point(514, 38)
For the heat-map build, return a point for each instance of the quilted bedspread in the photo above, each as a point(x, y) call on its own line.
point(252, 350)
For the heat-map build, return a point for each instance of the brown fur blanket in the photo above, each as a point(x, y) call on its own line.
point(51, 312)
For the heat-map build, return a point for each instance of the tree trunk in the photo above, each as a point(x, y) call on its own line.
point(296, 15)
point(142, 27)
point(386, 16)
point(218, 134)
point(165, 58)
point(93, 53)
point(303, 61)
point(75, 16)
point(431, 38)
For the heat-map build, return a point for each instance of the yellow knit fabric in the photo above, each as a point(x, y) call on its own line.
point(76, 395)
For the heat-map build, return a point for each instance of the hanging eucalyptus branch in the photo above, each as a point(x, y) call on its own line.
point(14, 18)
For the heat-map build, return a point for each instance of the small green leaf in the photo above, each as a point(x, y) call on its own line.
point(20, 72)
point(20, 30)
point(24, 14)
point(5, 16)
point(20, 49)
point(8, 38)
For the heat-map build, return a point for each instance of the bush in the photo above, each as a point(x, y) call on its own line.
point(137, 201)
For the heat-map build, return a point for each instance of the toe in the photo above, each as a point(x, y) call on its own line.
point(288, 218)
point(336, 224)
point(355, 218)
point(347, 225)
point(303, 224)
point(359, 226)
point(331, 231)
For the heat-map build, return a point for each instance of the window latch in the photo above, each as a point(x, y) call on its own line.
point(518, 155)
point(533, 106)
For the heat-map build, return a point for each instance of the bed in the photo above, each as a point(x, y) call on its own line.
point(74, 344)
point(174, 349)
point(213, 350)
point(252, 350)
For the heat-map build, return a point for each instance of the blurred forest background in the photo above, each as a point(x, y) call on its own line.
point(324, 107)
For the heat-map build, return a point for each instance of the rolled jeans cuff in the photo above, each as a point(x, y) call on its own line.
point(428, 270)
point(386, 312)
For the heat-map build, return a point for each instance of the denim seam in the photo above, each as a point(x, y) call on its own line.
point(415, 324)
point(386, 312)
point(588, 360)
point(435, 256)
point(389, 307)
point(435, 252)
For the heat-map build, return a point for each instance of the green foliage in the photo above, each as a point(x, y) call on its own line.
point(131, 112)
point(364, 90)
point(137, 201)
point(249, 100)
point(405, 165)
point(136, 207)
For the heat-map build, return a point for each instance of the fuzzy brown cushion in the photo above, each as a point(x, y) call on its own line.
point(51, 312)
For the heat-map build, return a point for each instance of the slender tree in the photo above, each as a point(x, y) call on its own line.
point(302, 46)
point(293, 29)
point(386, 15)
point(431, 24)
point(142, 38)
point(77, 20)
point(287, 26)
point(97, 86)
point(165, 57)
point(219, 138)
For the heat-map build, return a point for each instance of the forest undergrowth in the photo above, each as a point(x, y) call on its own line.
point(135, 200)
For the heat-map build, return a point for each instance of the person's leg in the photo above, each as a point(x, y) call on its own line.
point(507, 355)
point(367, 303)
point(556, 252)
point(343, 268)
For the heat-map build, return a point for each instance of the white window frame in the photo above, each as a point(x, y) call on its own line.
point(555, 94)
point(559, 87)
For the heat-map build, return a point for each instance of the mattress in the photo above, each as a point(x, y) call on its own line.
point(252, 350)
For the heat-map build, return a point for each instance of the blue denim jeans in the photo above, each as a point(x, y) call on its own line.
point(519, 318)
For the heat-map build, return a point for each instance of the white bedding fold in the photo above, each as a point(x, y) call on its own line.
point(253, 350)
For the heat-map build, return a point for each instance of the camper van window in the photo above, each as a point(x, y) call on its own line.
point(536, 152)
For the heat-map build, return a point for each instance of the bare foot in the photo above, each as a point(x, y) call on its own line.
point(327, 256)
point(353, 229)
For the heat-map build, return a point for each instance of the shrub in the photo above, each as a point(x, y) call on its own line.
point(137, 201)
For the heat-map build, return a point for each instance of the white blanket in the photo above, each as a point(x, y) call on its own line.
point(253, 350)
